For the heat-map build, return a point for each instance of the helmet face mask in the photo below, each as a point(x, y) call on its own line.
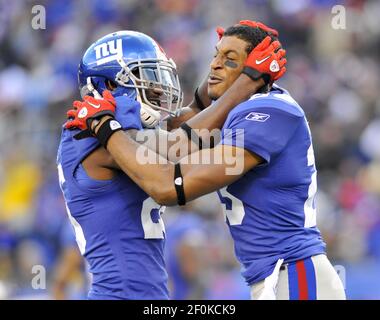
point(139, 68)
point(146, 75)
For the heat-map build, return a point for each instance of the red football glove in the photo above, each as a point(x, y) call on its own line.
point(84, 112)
point(250, 23)
point(264, 62)
point(220, 32)
point(256, 24)
point(90, 109)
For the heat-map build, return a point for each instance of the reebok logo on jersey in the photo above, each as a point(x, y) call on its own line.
point(256, 116)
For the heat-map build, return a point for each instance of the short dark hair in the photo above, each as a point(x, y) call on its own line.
point(252, 35)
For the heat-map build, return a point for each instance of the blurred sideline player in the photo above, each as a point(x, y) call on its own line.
point(69, 277)
point(186, 239)
point(270, 205)
point(118, 227)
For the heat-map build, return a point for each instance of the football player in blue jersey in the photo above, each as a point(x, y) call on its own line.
point(118, 226)
point(270, 203)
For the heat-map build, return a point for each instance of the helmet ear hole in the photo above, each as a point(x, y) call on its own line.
point(110, 85)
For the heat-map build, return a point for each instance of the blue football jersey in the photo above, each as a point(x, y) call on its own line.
point(271, 210)
point(118, 227)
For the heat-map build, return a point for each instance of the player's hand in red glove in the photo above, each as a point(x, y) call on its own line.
point(85, 112)
point(266, 61)
point(256, 24)
point(220, 32)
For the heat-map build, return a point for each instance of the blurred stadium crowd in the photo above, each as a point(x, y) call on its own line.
point(334, 75)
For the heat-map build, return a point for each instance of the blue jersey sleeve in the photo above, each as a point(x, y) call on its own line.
point(263, 131)
point(128, 113)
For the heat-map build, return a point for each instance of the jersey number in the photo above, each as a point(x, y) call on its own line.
point(79, 235)
point(233, 208)
point(150, 211)
point(309, 206)
point(152, 229)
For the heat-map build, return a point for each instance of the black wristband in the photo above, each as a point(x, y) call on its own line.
point(256, 75)
point(178, 184)
point(106, 130)
point(198, 100)
point(191, 135)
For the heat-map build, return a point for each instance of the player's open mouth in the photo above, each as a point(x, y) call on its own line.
point(212, 79)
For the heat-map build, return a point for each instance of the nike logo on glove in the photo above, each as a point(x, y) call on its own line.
point(261, 61)
point(97, 106)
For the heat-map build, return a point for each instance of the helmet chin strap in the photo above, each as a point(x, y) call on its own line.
point(92, 89)
point(150, 118)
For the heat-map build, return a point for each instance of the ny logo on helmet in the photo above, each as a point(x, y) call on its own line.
point(108, 51)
